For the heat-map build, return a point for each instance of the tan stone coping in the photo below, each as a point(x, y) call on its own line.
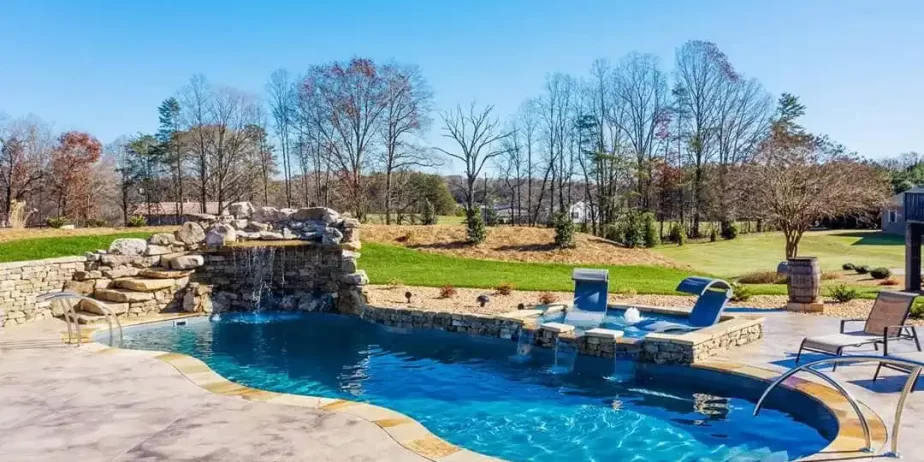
point(847, 444)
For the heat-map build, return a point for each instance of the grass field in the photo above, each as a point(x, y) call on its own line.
point(762, 252)
point(51, 247)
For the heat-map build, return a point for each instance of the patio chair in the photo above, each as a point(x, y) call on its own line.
point(911, 356)
point(713, 296)
point(886, 320)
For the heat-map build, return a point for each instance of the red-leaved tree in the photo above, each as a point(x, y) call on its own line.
point(71, 160)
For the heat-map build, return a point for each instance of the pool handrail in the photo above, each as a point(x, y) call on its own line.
point(915, 366)
point(71, 316)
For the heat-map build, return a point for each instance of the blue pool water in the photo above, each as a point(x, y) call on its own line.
point(474, 393)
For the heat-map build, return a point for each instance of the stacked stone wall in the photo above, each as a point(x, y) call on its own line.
point(22, 282)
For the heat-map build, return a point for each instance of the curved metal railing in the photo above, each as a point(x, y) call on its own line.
point(915, 368)
point(71, 316)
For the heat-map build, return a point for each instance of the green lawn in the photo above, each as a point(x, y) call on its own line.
point(762, 252)
point(51, 247)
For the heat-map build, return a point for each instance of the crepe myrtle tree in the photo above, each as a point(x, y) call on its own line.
point(797, 179)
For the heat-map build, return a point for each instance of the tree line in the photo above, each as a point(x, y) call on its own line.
point(682, 143)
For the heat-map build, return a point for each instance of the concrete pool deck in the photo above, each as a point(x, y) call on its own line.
point(65, 403)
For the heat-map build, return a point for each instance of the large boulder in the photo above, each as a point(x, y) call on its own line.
point(256, 227)
point(186, 262)
point(162, 239)
point(332, 236)
point(128, 247)
point(190, 233)
point(241, 209)
point(220, 234)
point(322, 214)
point(267, 215)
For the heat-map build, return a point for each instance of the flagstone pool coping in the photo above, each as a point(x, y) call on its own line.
point(847, 444)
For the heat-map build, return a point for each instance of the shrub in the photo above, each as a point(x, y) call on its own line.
point(490, 216)
point(763, 277)
point(505, 288)
point(475, 227)
point(613, 233)
point(842, 293)
point(56, 222)
point(729, 230)
point(740, 293)
point(448, 291)
point(459, 212)
point(136, 221)
point(632, 230)
point(862, 269)
point(96, 223)
point(650, 235)
point(429, 213)
point(713, 235)
point(547, 298)
point(564, 231)
point(677, 234)
point(848, 267)
point(880, 273)
point(917, 309)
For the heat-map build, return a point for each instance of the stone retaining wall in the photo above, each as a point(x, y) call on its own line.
point(474, 324)
point(21, 282)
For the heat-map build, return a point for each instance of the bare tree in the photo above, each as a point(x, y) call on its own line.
point(408, 102)
point(702, 73)
point(350, 99)
point(641, 90)
point(282, 104)
point(196, 99)
point(231, 144)
point(25, 151)
point(477, 134)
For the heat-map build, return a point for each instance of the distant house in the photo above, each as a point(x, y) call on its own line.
point(893, 214)
point(165, 213)
point(579, 212)
point(509, 214)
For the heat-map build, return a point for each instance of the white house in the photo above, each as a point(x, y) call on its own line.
point(579, 212)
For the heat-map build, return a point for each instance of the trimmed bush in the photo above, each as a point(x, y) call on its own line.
point(740, 293)
point(56, 222)
point(713, 235)
point(729, 230)
point(429, 213)
point(505, 288)
point(880, 273)
point(842, 293)
point(650, 236)
point(448, 291)
point(917, 309)
point(564, 231)
point(848, 267)
point(547, 298)
point(475, 227)
point(677, 234)
point(862, 269)
point(136, 221)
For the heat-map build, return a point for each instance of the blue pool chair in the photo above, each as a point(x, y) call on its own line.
point(713, 296)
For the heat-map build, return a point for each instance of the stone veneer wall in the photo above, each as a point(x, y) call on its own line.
point(21, 282)
point(303, 273)
point(687, 348)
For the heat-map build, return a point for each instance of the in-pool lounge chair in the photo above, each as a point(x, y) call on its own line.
point(713, 296)
point(886, 321)
point(590, 290)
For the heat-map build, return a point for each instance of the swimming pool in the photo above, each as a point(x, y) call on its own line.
point(471, 392)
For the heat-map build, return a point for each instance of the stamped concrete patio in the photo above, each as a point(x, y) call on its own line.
point(68, 404)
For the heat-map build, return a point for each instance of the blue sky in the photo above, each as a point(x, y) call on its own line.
point(104, 66)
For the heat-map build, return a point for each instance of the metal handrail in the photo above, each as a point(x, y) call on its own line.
point(71, 315)
point(915, 366)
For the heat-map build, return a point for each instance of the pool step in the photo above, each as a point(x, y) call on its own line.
point(122, 295)
point(144, 285)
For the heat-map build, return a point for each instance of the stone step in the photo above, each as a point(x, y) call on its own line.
point(84, 317)
point(92, 307)
point(163, 273)
point(122, 295)
point(144, 285)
